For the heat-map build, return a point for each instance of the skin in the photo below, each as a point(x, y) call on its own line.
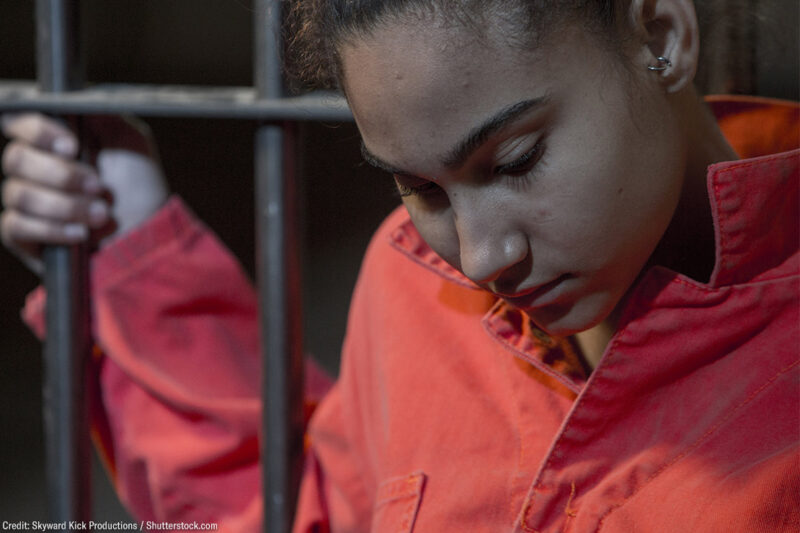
point(615, 173)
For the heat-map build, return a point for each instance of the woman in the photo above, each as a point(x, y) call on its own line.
point(583, 318)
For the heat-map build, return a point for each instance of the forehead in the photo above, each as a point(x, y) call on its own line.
point(413, 88)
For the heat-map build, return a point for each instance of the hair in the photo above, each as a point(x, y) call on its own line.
point(318, 28)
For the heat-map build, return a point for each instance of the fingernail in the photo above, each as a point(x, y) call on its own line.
point(76, 231)
point(65, 146)
point(98, 213)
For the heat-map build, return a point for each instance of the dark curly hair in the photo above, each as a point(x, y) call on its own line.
point(317, 28)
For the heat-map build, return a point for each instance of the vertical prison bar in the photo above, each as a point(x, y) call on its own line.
point(279, 285)
point(66, 425)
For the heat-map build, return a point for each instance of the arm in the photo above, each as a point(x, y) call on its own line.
point(176, 317)
point(178, 410)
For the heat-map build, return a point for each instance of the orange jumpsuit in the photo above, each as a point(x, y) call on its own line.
point(453, 412)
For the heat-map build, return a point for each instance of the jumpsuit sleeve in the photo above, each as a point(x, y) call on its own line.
point(177, 411)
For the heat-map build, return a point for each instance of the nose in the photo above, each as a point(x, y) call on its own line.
point(489, 248)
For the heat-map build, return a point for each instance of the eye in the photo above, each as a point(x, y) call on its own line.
point(523, 164)
point(413, 186)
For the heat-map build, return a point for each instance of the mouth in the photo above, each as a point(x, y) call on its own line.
point(538, 296)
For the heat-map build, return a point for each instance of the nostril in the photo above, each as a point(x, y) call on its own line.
point(509, 279)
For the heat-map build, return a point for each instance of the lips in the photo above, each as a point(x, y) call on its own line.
point(536, 296)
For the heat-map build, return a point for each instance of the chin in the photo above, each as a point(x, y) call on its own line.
point(563, 320)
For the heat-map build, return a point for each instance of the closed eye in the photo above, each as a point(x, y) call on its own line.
point(523, 164)
point(413, 186)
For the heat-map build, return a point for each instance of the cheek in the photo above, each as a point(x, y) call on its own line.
point(607, 211)
point(438, 231)
point(631, 177)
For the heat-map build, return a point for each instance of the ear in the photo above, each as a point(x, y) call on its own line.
point(667, 28)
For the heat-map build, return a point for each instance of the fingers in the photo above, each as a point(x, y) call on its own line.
point(39, 131)
point(22, 232)
point(49, 170)
point(48, 197)
point(23, 235)
point(53, 205)
point(35, 216)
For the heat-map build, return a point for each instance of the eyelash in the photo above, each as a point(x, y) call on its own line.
point(420, 190)
point(523, 164)
point(516, 169)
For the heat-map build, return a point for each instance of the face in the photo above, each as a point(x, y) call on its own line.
point(546, 176)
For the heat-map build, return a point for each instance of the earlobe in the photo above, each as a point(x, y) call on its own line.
point(670, 40)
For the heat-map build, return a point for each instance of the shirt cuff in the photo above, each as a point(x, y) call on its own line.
point(174, 221)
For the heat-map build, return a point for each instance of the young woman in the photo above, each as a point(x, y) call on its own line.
point(583, 318)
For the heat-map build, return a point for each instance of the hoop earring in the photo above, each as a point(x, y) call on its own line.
point(663, 64)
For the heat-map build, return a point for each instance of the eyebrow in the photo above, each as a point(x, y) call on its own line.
point(478, 135)
point(378, 163)
point(471, 142)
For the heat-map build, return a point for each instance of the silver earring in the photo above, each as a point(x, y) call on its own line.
point(663, 64)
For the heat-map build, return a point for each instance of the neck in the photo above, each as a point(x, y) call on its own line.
point(688, 244)
point(593, 341)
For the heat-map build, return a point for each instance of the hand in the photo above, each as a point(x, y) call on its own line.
point(51, 198)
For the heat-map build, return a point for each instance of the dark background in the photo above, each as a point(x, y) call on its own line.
point(209, 163)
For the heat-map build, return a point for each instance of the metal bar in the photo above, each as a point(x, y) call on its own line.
point(279, 286)
point(58, 65)
point(282, 443)
point(66, 421)
point(175, 101)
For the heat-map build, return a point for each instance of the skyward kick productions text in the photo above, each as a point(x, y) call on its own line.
point(77, 525)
